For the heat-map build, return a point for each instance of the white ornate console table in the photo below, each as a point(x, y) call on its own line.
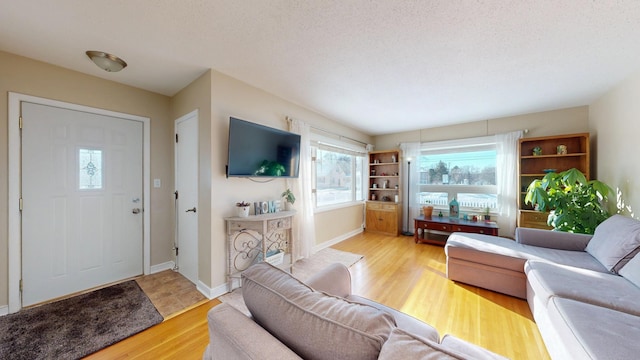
point(255, 238)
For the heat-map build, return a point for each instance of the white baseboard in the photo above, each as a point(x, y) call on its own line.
point(162, 267)
point(212, 293)
point(4, 310)
point(336, 240)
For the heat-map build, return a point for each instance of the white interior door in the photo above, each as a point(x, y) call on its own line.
point(82, 187)
point(186, 168)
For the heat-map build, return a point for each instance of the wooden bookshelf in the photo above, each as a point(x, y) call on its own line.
point(534, 166)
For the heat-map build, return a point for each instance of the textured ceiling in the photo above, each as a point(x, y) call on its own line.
point(378, 66)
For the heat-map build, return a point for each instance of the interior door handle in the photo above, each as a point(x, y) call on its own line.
point(191, 210)
point(136, 211)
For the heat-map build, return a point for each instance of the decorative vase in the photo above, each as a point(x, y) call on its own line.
point(243, 211)
point(454, 209)
point(427, 211)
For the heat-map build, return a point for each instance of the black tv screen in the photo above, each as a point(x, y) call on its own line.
point(260, 151)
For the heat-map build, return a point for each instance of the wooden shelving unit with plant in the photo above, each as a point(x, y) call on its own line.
point(540, 155)
point(384, 196)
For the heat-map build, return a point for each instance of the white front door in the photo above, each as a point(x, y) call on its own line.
point(82, 190)
point(186, 168)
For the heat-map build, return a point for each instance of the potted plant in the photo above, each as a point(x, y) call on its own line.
point(289, 198)
point(537, 151)
point(487, 214)
point(576, 205)
point(427, 209)
point(242, 209)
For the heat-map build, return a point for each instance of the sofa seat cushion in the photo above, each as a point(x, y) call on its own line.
point(313, 324)
point(546, 280)
point(615, 242)
point(508, 254)
point(593, 332)
point(403, 321)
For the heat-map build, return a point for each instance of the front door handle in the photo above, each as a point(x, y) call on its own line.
point(191, 210)
point(136, 211)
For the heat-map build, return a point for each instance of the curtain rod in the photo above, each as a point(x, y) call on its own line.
point(341, 137)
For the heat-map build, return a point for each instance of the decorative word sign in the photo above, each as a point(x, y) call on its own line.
point(266, 207)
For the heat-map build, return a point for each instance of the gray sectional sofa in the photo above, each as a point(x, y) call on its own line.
point(583, 290)
point(322, 320)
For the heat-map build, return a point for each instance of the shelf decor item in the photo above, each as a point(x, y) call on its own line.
point(487, 214)
point(427, 211)
point(454, 209)
point(561, 150)
point(242, 209)
point(537, 151)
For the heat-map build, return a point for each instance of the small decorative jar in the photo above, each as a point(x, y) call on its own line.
point(562, 149)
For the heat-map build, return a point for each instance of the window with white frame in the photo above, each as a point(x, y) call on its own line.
point(464, 170)
point(337, 174)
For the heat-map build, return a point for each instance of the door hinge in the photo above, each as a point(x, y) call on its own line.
point(176, 137)
point(176, 194)
point(20, 285)
point(20, 204)
point(20, 123)
point(176, 248)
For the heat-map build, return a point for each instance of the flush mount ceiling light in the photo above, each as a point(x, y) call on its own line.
point(106, 62)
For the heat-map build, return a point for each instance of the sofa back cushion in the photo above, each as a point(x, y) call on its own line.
point(615, 242)
point(631, 271)
point(313, 324)
point(404, 345)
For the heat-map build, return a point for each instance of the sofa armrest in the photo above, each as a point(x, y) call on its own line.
point(233, 335)
point(552, 239)
point(334, 280)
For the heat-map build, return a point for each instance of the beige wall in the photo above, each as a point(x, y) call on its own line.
point(564, 121)
point(615, 125)
point(197, 96)
point(216, 97)
point(26, 76)
point(335, 224)
point(231, 97)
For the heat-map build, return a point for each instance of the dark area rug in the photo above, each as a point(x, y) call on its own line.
point(78, 326)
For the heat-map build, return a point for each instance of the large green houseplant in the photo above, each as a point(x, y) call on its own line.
point(577, 205)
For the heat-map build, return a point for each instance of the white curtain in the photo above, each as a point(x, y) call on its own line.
point(303, 222)
point(507, 179)
point(410, 206)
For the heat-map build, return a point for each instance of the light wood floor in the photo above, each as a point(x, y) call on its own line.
point(396, 272)
point(170, 292)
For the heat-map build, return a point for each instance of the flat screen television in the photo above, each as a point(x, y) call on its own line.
point(261, 151)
